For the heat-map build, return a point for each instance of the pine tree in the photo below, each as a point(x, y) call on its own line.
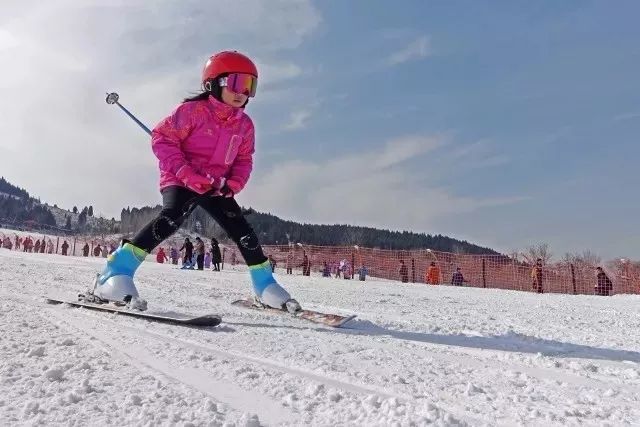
point(68, 223)
point(90, 212)
point(75, 210)
point(82, 219)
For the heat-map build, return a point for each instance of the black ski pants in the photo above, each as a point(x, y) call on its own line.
point(179, 202)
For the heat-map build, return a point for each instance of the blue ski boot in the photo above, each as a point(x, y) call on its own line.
point(116, 281)
point(268, 291)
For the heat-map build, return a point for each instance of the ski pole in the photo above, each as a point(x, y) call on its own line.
point(112, 98)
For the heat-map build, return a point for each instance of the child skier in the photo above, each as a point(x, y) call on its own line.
point(205, 151)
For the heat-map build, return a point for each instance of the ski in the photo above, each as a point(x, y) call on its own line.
point(333, 320)
point(206, 320)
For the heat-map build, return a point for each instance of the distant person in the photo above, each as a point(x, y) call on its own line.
point(326, 269)
point(26, 245)
point(6, 243)
point(42, 246)
point(85, 249)
point(289, 263)
point(306, 266)
point(97, 251)
point(340, 268)
point(187, 247)
point(457, 279)
point(161, 256)
point(362, 273)
point(199, 253)
point(37, 246)
point(174, 255)
point(49, 247)
point(604, 285)
point(347, 271)
point(536, 277)
point(432, 276)
point(404, 272)
point(65, 247)
point(273, 263)
point(216, 255)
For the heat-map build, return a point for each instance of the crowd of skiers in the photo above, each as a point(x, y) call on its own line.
point(47, 246)
point(98, 250)
point(194, 256)
point(343, 269)
point(28, 245)
point(431, 275)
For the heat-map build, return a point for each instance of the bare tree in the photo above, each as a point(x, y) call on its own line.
point(541, 250)
point(586, 258)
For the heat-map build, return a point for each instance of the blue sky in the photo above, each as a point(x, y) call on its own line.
point(506, 123)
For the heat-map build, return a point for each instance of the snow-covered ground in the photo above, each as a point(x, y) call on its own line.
point(417, 355)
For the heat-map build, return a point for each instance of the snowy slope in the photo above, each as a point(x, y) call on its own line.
point(418, 355)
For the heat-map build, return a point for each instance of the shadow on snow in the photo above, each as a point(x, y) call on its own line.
point(513, 342)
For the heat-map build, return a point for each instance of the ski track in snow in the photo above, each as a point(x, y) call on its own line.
point(416, 354)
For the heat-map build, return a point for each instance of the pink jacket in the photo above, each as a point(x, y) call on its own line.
point(214, 138)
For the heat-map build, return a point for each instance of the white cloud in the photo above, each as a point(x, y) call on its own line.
point(298, 119)
point(477, 155)
point(61, 141)
point(275, 72)
point(379, 187)
point(419, 48)
point(404, 148)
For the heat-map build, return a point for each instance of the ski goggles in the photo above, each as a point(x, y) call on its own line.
point(245, 84)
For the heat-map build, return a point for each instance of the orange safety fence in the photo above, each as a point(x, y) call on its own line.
point(354, 263)
point(483, 271)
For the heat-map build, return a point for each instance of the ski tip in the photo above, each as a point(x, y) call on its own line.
point(346, 320)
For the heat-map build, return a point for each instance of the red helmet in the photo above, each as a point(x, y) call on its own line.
point(228, 62)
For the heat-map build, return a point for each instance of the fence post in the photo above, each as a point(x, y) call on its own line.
point(413, 270)
point(57, 243)
point(74, 246)
point(573, 278)
point(484, 274)
point(353, 265)
point(224, 252)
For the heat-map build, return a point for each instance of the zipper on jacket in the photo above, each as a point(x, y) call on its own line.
point(234, 142)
